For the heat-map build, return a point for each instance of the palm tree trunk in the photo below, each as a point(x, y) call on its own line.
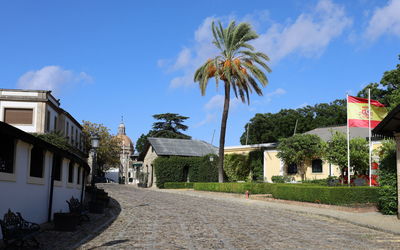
point(223, 131)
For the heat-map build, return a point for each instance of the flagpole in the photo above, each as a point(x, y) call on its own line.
point(348, 141)
point(369, 135)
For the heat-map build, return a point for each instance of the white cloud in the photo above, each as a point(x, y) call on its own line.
point(209, 118)
point(385, 20)
point(277, 92)
point(308, 35)
point(52, 78)
point(217, 102)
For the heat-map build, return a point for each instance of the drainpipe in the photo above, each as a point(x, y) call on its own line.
point(51, 190)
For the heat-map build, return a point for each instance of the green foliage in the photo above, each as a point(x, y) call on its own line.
point(336, 152)
point(300, 149)
point(168, 125)
point(330, 181)
point(388, 178)
point(178, 185)
point(299, 192)
point(255, 160)
point(387, 91)
point(172, 169)
point(109, 145)
point(270, 127)
point(236, 167)
point(56, 139)
point(280, 179)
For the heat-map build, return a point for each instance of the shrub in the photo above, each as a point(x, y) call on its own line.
point(280, 179)
point(177, 185)
point(299, 192)
point(387, 178)
point(236, 167)
point(172, 169)
point(255, 161)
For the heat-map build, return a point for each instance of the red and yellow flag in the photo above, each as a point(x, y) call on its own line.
point(358, 112)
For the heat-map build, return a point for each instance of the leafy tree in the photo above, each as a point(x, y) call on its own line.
point(240, 68)
point(272, 127)
point(387, 91)
point(109, 145)
point(300, 149)
point(169, 125)
point(336, 152)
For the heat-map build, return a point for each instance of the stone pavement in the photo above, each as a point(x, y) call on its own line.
point(176, 219)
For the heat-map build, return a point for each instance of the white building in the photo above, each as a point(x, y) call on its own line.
point(38, 111)
point(36, 178)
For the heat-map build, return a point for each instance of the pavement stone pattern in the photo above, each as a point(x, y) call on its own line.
point(154, 219)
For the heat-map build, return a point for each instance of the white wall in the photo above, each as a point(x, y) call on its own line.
point(19, 194)
point(29, 105)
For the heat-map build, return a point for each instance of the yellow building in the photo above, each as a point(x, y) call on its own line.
point(316, 169)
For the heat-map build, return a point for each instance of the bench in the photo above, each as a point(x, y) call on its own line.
point(17, 230)
point(75, 207)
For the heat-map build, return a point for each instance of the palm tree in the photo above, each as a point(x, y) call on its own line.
point(237, 65)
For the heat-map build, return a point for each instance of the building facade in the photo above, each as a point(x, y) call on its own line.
point(38, 111)
point(126, 174)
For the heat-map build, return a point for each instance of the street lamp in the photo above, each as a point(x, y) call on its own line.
point(95, 144)
point(211, 158)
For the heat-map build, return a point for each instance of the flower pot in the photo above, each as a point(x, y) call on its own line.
point(97, 206)
point(65, 221)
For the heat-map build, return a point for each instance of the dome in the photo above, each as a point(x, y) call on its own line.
point(126, 142)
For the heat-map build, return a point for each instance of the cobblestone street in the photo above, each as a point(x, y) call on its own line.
point(160, 220)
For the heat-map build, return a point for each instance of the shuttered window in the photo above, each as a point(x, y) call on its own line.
point(18, 116)
point(71, 172)
point(57, 167)
point(317, 166)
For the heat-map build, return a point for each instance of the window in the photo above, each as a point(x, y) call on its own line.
point(71, 172)
point(57, 167)
point(292, 168)
point(79, 176)
point(7, 154)
point(67, 132)
point(55, 123)
point(36, 169)
point(18, 116)
point(317, 166)
point(48, 121)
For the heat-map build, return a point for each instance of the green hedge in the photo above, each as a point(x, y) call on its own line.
point(172, 169)
point(177, 185)
point(299, 192)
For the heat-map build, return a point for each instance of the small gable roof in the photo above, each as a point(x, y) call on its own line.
point(181, 147)
point(326, 133)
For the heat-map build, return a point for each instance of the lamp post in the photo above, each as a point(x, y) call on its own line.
point(95, 144)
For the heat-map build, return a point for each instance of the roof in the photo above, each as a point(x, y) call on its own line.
point(181, 147)
point(326, 133)
point(253, 146)
point(390, 124)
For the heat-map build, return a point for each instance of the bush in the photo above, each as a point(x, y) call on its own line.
point(178, 185)
point(236, 167)
point(299, 192)
point(387, 178)
point(280, 179)
point(255, 161)
point(172, 169)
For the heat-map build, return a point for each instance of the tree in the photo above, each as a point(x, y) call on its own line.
point(272, 127)
point(300, 149)
point(387, 91)
point(336, 152)
point(168, 125)
point(240, 68)
point(109, 146)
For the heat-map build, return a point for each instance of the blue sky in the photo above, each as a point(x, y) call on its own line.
point(105, 59)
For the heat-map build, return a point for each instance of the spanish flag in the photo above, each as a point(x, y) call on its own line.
point(357, 109)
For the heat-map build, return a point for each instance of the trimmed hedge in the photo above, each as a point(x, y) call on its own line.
point(178, 185)
point(299, 192)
